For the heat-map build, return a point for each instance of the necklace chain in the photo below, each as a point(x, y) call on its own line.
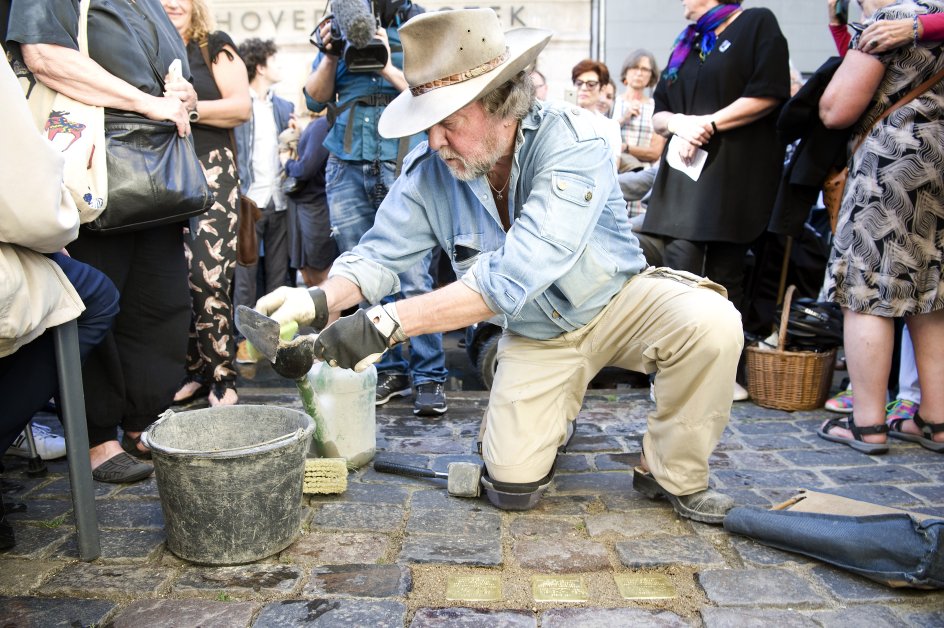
point(499, 192)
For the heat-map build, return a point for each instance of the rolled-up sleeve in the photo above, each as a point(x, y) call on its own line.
point(44, 22)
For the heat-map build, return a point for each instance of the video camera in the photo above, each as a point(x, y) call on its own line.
point(353, 25)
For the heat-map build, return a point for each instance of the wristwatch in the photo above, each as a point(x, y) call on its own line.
point(194, 115)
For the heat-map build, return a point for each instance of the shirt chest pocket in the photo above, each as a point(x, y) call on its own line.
point(570, 193)
point(465, 250)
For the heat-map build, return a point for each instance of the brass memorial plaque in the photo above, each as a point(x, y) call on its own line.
point(474, 588)
point(645, 586)
point(559, 589)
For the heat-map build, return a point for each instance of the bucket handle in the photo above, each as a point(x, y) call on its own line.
point(298, 433)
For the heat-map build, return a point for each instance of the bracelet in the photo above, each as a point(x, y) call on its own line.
point(194, 115)
point(714, 127)
point(320, 300)
point(914, 27)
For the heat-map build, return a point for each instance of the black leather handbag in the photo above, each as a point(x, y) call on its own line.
point(154, 175)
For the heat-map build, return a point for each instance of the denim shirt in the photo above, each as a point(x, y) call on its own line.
point(366, 144)
point(569, 250)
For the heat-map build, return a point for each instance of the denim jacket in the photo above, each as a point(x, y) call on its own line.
point(569, 250)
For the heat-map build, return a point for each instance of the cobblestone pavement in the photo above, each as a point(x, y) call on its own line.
point(392, 550)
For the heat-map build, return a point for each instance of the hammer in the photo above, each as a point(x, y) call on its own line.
point(463, 479)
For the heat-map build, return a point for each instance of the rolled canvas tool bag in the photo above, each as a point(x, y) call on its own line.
point(894, 547)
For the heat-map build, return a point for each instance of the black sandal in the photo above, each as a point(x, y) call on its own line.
point(218, 391)
point(856, 442)
point(130, 445)
point(925, 438)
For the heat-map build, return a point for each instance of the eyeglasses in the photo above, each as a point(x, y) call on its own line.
point(588, 84)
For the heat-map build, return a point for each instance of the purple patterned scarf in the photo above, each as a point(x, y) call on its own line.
point(703, 29)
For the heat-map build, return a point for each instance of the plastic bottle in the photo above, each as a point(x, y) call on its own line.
point(347, 417)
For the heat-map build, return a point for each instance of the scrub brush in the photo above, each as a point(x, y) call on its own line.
point(325, 476)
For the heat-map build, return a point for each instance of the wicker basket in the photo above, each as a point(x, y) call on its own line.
point(789, 380)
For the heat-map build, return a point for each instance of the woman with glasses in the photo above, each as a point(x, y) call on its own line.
point(589, 77)
point(642, 148)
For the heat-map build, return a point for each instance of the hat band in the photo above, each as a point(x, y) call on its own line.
point(452, 79)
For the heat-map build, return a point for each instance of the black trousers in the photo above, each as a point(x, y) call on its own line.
point(28, 377)
point(131, 377)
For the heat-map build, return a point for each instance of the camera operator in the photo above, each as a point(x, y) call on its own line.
point(362, 166)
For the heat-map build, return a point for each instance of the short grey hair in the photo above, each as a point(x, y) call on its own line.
point(512, 99)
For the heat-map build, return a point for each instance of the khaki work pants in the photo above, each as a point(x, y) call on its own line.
point(672, 323)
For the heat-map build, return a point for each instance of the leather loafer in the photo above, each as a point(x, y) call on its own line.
point(120, 469)
point(707, 506)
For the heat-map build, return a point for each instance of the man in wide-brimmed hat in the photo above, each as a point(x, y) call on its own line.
point(523, 198)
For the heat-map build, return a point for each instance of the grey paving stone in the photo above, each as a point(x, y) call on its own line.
point(449, 522)
point(145, 488)
point(630, 501)
point(369, 517)
point(338, 548)
point(645, 522)
point(744, 497)
point(362, 492)
point(124, 545)
point(749, 460)
point(593, 483)
point(669, 550)
point(933, 494)
point(848, 587)
point(561, 555)
point(609, 617)
point(240, 581)
point(203, 613)
point(426, 446)
point(758, 587)
point(926, 618)
point(766, 442)
point(828, 457)
point(359, 581)
point(882, 494)
point(572, 463)
point(402, 429)
point(85, 579)
point(615, 462)
point(453, 550)
point(753, 478)
point(593, 443)
point(332, 613)
point(472, 618)
point(34, 541)
point(439, 499)
point(872, 616)
point(536, 526)
point(441, 463)
point(761, 427)
point(19, 576)
point(44, 510)
point(754, 618)
point(47, 612)
point(756, 553)
point(129, 513)
point(563, 505)
point(890, 474)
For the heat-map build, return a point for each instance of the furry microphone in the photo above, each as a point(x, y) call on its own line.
point(356, 21)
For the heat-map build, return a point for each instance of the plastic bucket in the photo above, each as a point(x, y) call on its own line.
point(230, 480)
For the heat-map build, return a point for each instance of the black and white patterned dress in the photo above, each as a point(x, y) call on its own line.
point(887, 253)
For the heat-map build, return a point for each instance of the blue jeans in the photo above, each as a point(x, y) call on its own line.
point(28, 377)
point(355, 190)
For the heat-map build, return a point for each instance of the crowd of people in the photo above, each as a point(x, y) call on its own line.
point(611, 231)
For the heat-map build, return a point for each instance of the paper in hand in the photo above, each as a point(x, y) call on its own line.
point(693, 170)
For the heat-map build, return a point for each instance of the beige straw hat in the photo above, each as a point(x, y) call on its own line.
point(450, 58)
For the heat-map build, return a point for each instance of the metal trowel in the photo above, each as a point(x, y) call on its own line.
point(289, 358)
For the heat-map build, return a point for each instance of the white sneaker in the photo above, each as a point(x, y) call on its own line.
point(49, 446)
point(740, 393)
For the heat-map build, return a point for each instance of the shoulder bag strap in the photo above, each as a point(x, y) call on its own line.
point(907, 98)
point(83, 26)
